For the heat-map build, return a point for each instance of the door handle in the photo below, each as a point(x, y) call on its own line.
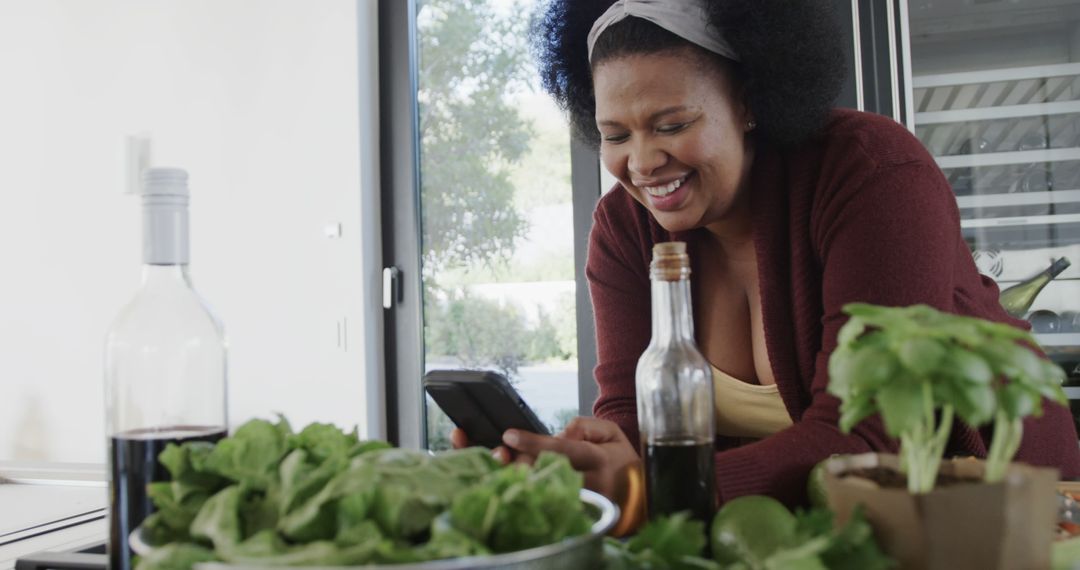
point(391, 288)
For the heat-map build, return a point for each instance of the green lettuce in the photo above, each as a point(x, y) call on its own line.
point(269, 497)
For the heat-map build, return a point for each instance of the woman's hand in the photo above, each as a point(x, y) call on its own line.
point(458, 440)
point(597, 448)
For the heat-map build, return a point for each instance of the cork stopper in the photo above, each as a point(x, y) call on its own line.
point(670, 261)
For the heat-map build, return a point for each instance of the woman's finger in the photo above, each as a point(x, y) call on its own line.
point(591, 429)
point(525, 458)
point(458, 439)
point(582, 454)
point(502, 454)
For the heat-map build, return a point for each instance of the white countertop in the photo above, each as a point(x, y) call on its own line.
point(50, 507)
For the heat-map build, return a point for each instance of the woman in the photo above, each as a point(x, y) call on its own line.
point(714, 116)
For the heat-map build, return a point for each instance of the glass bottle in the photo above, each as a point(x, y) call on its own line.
point(675, 397)
point(1016, 300)
point(165, 371)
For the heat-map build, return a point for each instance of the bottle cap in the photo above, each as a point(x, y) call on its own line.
point(165, 216)
point(169, 184)
point(670, 261)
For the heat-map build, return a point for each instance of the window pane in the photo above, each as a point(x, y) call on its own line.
point(496, 208)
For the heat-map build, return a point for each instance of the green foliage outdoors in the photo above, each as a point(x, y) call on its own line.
point(481, 333)
point(751, 533)
point(269, 497)
point(917, 367)
point(483, 157)
point(471, 135)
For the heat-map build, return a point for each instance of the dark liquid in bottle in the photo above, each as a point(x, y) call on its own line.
point(134, 465)
point(680, 476)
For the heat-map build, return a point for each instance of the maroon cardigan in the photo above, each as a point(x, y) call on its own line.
point(859, 213)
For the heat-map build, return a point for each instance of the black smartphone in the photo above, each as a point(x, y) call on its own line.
point(482, 403)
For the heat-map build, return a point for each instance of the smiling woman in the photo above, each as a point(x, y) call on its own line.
point(715, 118)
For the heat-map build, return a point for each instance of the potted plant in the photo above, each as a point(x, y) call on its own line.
point(919, 369)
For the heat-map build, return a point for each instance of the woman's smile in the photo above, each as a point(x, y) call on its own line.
point(671, 195)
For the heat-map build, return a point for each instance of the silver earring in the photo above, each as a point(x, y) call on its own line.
point(750, 125)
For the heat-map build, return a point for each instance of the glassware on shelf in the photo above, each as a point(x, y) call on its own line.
point(1070, 321)
point(1044, 322)
point(1037, 177)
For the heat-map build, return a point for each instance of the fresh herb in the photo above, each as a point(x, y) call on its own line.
point(918, 367)
point(268, 496)
point(751, 533)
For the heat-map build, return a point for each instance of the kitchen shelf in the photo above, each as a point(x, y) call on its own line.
point(1058, 339)
point(1008, 140)
point(995, 113)
point(1018, 199)
point(1010, 157)
point(996, 75)
point(1051, 219)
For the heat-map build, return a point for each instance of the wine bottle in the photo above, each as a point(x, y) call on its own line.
point(1017, 299)
point(675, 397)
point(165, 364)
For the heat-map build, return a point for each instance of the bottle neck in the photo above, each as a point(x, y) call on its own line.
point(672, 320)
point(165, 233)
point(159, 275)
point(1057, 268)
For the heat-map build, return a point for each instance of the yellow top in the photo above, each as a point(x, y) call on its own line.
point(747, 410)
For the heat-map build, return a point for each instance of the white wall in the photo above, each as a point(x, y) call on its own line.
point(258, 99)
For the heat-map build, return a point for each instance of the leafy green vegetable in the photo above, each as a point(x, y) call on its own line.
point(514, 508)
point(666, 543)
point(219, 520)
point(251, 455)
point(750, 529)
point(917, 367)
point(269, 497)
point(751, 533)
point(179, 556)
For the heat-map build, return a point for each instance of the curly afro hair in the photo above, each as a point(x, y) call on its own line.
point(791, 64)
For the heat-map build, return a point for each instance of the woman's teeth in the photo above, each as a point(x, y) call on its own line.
point(666, 189)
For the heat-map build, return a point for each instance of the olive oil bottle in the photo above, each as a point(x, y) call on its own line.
point(675, 397)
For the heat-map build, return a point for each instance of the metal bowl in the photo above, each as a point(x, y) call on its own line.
point(581, 552)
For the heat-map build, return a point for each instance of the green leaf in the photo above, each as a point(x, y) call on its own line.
point(853, 547)
point(258, 512)
point(921, 355)
point(263, 544)
point(973, 403)
point(178, 556)
point(855, 410)
point(901, 404)
point(861, 369)
point(185, 464)
point(323, 441)
point(966, 365)
point(473, 512)
point(303, 475)
point(251, 455)
point(750, 529)
point(1018, 402)
point(670, 538)
point(851, 330)
point(219, 519)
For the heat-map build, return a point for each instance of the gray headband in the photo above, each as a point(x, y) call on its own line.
point(684, 18)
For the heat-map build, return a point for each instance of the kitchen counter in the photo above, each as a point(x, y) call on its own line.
point(50, 507)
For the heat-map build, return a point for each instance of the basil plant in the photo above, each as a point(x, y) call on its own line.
point(919, 368)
